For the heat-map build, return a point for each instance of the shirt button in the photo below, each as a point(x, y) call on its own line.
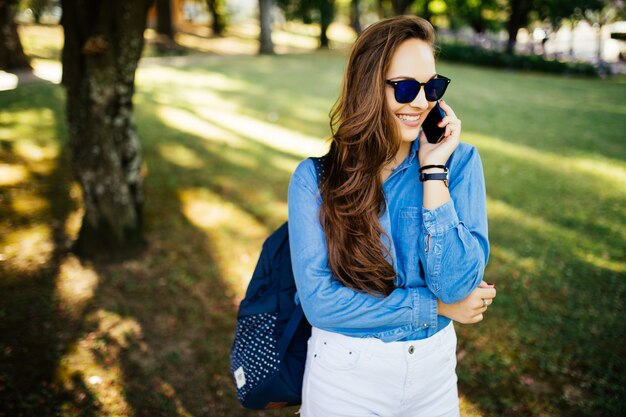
point(425, 325)
point(411, 349)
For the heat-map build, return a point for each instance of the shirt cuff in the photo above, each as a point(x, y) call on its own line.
point(441, 219)
point(424, 309)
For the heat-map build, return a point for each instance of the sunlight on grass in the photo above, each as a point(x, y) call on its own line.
point(76, 284)
point(8, 81)
point(186, 121)
point(561, 238)
point(527, 264)
point(602, 261)
point(181, 155)
point(13, 174)
point(28, 128)
point(468, 409)
point(36, 151)
point(27, 248)
point(269, 134)
point(615, 183)
point(29, 203)
point(199, 85)
point(74, 217)
point(93, 362)
point(233, 233)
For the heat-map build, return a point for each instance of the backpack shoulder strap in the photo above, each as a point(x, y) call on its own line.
point(320, 166)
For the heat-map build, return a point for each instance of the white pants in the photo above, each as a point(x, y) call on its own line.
point(362, 377)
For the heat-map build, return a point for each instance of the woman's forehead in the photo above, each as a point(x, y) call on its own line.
point(413, 59)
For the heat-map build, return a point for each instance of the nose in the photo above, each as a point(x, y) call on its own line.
point(420, 101)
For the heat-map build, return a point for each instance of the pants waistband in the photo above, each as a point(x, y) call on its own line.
point(376, 346)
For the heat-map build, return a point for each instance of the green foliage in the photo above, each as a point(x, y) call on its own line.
point(480, 15)
point(307, 11)
point(555, 11)
point(458, 52)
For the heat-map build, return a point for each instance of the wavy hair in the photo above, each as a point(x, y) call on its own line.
point(364, 139)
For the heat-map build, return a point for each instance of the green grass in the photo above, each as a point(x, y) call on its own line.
point(221, 136)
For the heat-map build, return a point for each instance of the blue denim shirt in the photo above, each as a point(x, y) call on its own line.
point(438, 253)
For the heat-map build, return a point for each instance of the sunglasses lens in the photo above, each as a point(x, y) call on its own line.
point(406, 91)
point(434, 89)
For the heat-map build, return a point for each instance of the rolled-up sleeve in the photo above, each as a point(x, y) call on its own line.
point(326, 302)
point(456, 246)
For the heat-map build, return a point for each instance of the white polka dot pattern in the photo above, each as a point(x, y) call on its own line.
point(254, 350)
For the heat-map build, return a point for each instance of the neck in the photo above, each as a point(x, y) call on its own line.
point(403, 152)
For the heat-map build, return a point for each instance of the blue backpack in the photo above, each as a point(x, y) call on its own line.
point(269, 350)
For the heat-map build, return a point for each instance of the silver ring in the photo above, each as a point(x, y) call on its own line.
point(485, 303)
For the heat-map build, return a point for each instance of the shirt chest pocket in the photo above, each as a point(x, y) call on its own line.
point(410, 241)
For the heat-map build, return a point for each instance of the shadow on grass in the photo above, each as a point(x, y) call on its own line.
point(34, 333)
point(154, 336)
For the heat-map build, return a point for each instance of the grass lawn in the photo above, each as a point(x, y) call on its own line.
point(221, 135)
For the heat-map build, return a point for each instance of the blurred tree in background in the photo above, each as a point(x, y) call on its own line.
point(311, 11)
point(265, 21)
point(164, 27)
point(103, 44)
point(38, 7)
point(217, 16)
point(480, 15)
point(11, 52)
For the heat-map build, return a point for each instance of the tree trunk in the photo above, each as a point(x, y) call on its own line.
point(11, 52)
point(518, 17)
point(103, 44)
point(164, 19)
point(600, 59)
point(426, 11)
point(400, 7)
point(217, 21)
point(265, 20)
point(327, 12)
point(355, 16)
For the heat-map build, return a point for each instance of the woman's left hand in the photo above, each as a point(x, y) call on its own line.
point(438, 153)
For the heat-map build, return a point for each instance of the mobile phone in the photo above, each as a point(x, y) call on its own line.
point(433, 132)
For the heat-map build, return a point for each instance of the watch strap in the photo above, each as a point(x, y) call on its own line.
point(437, 176)
point(425, 167)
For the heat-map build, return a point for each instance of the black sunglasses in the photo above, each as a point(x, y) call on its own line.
point(405, 91)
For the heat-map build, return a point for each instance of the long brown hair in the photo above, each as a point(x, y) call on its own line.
point(364, 139)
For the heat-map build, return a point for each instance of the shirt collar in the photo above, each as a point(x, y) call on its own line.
point(415, 145)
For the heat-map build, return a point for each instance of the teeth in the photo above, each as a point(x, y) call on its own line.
point(408, 118)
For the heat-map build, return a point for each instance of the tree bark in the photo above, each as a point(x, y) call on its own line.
point(11, 52)
point(265, 20)
point(103, 44)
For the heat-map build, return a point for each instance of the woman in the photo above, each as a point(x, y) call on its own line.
point(384, 262)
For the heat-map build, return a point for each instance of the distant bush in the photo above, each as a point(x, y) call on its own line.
point(476, 55)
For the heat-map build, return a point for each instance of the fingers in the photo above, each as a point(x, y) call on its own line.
point(451, 124)
point(447, 109)
point(450, 121)
point(486, 293)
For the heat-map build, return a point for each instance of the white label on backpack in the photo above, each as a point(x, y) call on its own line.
point(240, 377)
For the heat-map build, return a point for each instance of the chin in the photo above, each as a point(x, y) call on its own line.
point(410, 135)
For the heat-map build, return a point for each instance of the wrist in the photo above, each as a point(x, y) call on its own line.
point(440, 308)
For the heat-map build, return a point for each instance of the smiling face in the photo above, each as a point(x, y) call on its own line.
point(413, 60)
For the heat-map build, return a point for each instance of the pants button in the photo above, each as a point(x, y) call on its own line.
point(411, 349)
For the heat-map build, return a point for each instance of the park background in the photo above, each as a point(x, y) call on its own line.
point(143, 327)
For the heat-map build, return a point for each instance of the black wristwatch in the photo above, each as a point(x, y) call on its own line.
point(437, 176)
